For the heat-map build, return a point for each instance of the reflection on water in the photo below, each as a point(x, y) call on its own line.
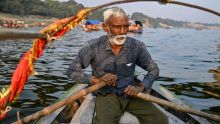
point(188, 61)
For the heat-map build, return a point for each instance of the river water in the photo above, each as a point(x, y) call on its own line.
point(188, 60)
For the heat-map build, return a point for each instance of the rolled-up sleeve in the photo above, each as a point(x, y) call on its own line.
point(82, 61)
point(145, 61)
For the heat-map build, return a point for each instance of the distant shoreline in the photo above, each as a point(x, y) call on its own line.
point(17, 21)
point(11, 20)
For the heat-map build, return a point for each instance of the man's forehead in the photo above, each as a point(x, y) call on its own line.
point(118, 19)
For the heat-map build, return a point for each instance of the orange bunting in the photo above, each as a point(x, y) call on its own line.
point(25, 68)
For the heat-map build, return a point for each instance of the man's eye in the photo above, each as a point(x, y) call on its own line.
point(117, 27)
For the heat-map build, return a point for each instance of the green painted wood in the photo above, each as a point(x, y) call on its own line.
point(50, 118)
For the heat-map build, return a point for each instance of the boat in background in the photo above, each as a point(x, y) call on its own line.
point(91, 25)
point(135, 26)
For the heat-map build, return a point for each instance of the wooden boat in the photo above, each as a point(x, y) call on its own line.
point(82, 111)
point(91, 25)
point(135, 27)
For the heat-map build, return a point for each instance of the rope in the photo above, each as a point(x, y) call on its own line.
point(164, 1)
point(196, 7)
point(160, 1)
point(18, 117)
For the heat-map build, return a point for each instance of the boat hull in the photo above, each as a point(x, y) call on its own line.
point(82, 111)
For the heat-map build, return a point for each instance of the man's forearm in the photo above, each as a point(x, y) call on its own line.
point(150, 78)
point(75, 73)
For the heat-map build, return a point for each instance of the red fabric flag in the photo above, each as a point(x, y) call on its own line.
point(25, 67)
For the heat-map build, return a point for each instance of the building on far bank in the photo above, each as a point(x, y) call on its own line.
point(165, 26)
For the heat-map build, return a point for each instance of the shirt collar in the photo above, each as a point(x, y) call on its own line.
point(108, 47)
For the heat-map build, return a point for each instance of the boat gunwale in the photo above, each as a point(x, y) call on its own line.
point(157, 88)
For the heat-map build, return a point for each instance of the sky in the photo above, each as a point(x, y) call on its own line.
point(176, 12)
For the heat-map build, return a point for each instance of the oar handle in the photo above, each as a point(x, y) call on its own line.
point(148, 97)
point(50, 109)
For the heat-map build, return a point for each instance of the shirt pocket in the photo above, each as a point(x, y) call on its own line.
point(125, 69)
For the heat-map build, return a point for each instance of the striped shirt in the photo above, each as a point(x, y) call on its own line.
point(98, 54)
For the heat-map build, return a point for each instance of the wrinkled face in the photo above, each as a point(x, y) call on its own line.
point(117, 28)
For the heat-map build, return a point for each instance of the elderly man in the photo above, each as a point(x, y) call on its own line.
point(113, 58)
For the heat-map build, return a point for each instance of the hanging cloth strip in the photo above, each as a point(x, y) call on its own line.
point(25, 68)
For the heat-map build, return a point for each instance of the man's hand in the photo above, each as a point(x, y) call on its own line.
point(134, 90)
point(109, 79)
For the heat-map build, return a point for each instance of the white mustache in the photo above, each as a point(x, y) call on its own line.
point(118, 39)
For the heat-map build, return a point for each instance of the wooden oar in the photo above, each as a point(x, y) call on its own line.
point(6, 34)
point(181, 108)
point(48, 110)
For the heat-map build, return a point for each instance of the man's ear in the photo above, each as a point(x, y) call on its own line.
point(105, 27)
